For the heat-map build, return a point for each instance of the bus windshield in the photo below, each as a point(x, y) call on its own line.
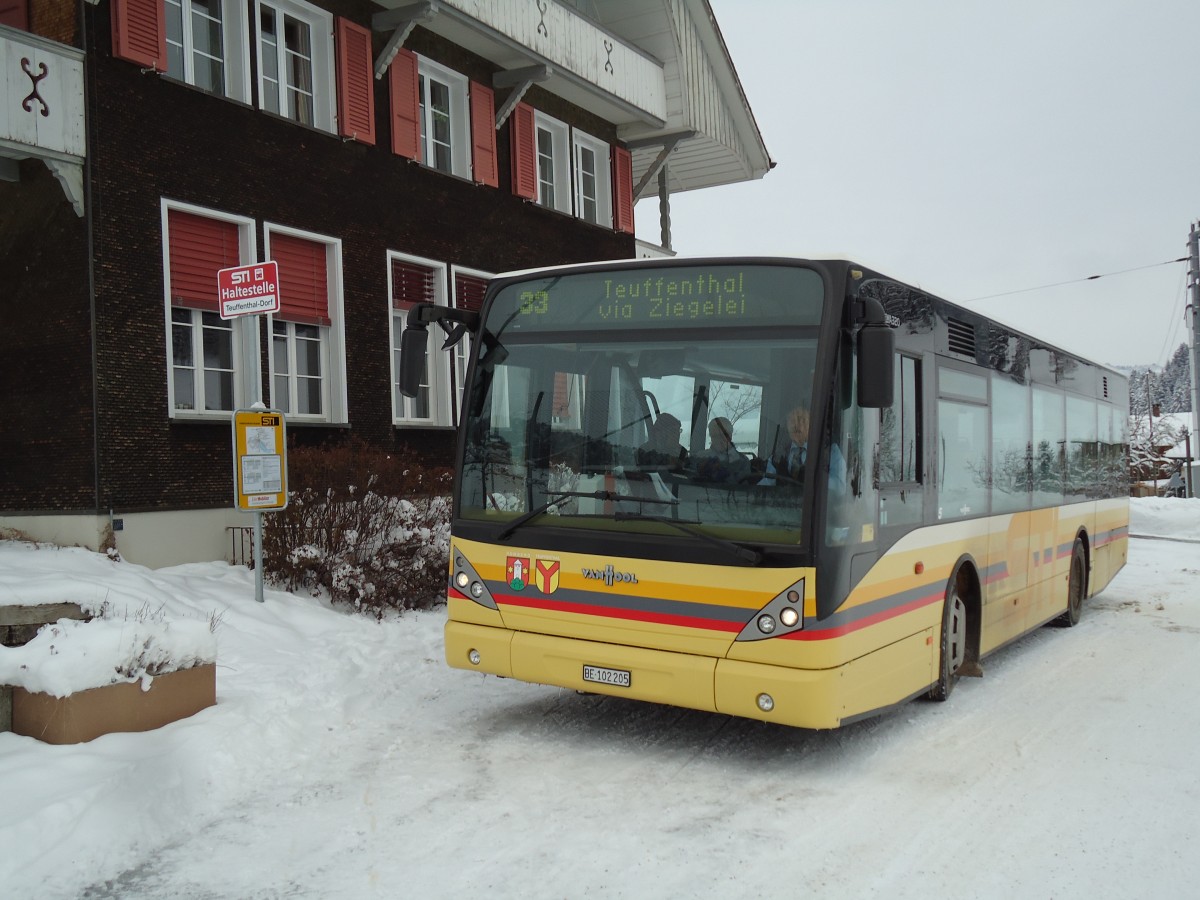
point(613, 400)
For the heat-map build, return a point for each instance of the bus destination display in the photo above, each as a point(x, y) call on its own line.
point(676, 297)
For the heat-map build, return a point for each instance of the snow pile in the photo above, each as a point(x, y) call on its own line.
point(70, 656)
point(1165, 517)
point(344, 759)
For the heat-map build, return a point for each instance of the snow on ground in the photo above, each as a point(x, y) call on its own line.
point(344, 759)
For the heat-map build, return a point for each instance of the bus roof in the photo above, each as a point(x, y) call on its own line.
point(830, 262)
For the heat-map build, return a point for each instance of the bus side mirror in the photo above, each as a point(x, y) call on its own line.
point(876, 372)
point(414, 344)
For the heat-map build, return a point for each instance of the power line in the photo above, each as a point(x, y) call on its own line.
point(1175, 322)
point(1042, 287)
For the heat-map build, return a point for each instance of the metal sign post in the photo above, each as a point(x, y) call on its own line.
point(259, 434)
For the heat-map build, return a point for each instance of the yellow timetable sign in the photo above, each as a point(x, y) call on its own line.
point(259, 459)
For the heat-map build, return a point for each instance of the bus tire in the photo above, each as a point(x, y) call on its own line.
point(1076, 586)
point(953, 645)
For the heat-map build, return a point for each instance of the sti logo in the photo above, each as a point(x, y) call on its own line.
point(245, 276)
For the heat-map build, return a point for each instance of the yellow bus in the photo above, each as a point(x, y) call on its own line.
point(791, 490)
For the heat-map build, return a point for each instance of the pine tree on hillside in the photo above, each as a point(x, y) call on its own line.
point(1177, 382)
point(1170, 388)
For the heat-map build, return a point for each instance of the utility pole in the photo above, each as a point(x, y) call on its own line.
point(1193, 309)
point(1150, 418)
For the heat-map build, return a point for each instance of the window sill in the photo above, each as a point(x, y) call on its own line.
point(220, 417)
point(315, 129)
point(465, 179)
point(425, 426)
point(236, 101)
point(314, 423)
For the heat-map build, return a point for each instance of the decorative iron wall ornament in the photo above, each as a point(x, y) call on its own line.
point(608, 66)
point(27, 103)
point(542, 6)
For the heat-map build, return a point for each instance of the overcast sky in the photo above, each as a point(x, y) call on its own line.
point(975, 149)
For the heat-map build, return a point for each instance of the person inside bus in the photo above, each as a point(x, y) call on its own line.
point(722, 461)
point(662, 449)
point(789, 464)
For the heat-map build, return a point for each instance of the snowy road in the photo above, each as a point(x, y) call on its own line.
point(345, 760)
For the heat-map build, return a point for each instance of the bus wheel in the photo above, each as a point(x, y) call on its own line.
point(954, 641)
point(1076, 587)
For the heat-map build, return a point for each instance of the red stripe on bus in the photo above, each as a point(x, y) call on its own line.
point(821, 634)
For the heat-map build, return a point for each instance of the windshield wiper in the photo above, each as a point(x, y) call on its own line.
point(752, 557)
point(558, 498)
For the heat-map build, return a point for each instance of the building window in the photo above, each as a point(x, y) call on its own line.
point(202, 371)
point(445, 138)
point(295, 51)
point(196, 43)
point(553, 163)
point(593, 188)
point(413, 280)
point(307, 355)
point(203, 376)
point(206, 45)
point(297, 375)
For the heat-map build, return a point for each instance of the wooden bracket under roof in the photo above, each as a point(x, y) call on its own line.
point(401, 21)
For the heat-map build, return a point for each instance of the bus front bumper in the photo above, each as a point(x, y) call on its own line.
point(804, 698)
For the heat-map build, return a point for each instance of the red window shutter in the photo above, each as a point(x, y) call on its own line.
point(355, 71)
point(405, 105)
point(139, 31)
point(560, 406)
point(303, 279)
point(524, 153)
point(469, 291)
point(15, 14)
point(622, 165)
point(198, 247)
point(483, 135)
point(411, 284)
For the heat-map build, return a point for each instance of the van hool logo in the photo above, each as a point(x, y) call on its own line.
point(610, 576)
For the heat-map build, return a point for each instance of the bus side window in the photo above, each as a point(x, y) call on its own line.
point(900, 426)
point(899, 465)
point(847, 445)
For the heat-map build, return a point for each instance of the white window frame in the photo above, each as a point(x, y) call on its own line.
point(235, 50)
point(324, 85)
point(437, 360)
point(465, 347)
point(460, 116)
point(580, 142)
point(292, 343)
point(335, 405)
point(560, 161)
point(246, 253)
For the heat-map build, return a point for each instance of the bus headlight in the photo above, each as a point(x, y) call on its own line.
point(765, 702)
point(781, 617)
point(473, 657)
point(469, 582)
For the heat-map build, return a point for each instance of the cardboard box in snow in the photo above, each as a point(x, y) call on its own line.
point(88, 714)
